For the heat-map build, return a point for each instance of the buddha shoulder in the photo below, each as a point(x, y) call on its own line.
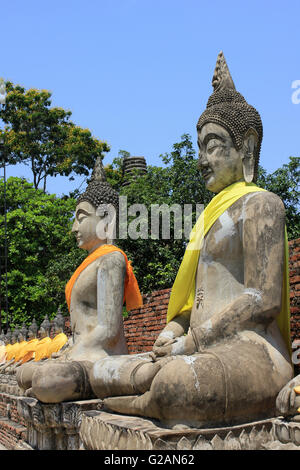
point(111, 261)
point(263, 204)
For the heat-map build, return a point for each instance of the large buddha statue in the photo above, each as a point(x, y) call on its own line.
point(95, 295)
point(224, 354)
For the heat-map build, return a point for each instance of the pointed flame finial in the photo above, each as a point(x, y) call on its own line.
point(98, 171)
point(222, 78)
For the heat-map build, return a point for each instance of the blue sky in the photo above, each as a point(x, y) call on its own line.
point(138, 73)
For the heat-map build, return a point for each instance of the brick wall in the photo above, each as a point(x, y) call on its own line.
point(12, 426)
point(144, 324)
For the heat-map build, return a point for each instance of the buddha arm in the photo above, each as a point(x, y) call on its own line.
point(263, 250)
point(110, 293)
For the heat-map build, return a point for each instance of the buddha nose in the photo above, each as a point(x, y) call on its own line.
point(74, 226)
point(202, 160)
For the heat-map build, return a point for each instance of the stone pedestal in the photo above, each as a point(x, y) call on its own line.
point(101, 430)
point(286, 434)
point(54, 426)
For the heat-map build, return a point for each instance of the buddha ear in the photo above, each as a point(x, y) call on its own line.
point(248, 158)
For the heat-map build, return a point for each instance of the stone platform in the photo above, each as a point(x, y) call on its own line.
point(101, 430)
point(54, 426)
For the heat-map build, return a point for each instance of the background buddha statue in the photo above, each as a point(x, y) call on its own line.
point(10, 355)
point(2, 349)
point(59, 342)
point(39, 352)
point(224, 354)
point(95, 296)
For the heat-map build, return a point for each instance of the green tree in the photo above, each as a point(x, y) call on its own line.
point(42, 253)
point(44, 137)
point(285, 182)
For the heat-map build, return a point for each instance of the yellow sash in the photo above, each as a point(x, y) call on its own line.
point(20, 352)
point(41, 350)
point(29, 350)
point(56, 344)
point(183, 290)
point(132, 295)
point(12, 351)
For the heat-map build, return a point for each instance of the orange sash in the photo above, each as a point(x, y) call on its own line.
point(132, 295)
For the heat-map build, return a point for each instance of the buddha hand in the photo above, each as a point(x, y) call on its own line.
point(288, 399)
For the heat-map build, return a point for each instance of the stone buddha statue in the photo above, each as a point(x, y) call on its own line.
point(59, 343)
point(12, 351)
point(40, 354)
point(224, 354)
point(95, 295)
point(2, 349)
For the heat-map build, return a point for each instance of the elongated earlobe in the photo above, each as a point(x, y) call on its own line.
point(248, 158)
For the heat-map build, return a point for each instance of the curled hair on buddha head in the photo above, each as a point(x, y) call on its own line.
point(99, 192)
point(228, 108)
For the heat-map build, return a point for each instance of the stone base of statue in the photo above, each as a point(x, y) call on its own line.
point(54, 426)
point(101, 430)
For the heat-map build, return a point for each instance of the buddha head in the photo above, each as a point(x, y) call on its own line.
point(8, 336)
point(59, 323)
point(44, 329)
point(96, 212)
point(22, 333)
point(229, 134)
point(15, 336)
point(32, 330)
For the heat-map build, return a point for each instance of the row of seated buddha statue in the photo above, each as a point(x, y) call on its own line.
point(224, 356)
point(32, 344)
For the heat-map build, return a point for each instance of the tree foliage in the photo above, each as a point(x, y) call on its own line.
point(42, 252)
point(44, 137)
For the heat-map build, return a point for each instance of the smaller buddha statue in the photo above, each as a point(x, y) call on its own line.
point(41, 351)
point(95, 295)
point(2, 349)
point(7, 342)
point(60, 340)
point(32, 341)
point(12, 350)
point(40, 354)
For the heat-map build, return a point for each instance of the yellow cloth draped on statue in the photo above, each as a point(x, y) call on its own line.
point(2, 353)
point(19, 353)
point(132, 295)
point(41, 349)
point(7, 350)
point(56, 344)
point(28, 351)
point(12, 351)
point(183, 290)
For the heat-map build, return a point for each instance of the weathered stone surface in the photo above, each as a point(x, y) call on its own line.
point(54, 426)
point(99, 429)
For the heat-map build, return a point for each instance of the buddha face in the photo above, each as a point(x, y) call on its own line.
point(30, 335)
point(42, 332)
point(219, 161)
point(85, 226)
